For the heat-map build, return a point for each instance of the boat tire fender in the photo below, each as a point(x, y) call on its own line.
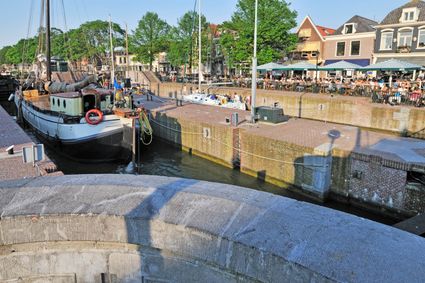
point(95, 112)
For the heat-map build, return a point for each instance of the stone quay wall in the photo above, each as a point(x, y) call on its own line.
point(313, 170)
point(210, 141)
point(116, 228)
point(355, 111)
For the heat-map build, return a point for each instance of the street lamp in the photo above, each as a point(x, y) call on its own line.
point(254, 67)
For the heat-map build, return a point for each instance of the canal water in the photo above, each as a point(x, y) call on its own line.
point(164, 159)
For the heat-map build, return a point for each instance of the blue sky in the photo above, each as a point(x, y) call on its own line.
point(330, 13)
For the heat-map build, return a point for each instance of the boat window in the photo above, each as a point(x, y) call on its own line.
point(64, 103)
point(53, 101)
point(58, 102)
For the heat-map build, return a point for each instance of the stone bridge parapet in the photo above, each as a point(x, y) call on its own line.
point(124, 228)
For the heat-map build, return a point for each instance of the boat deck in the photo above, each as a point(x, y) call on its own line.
point(42, 101)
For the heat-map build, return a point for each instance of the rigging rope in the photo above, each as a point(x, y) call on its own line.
point(24, 48)
point(145, 128)
point(41, 28)
point(66, 41)
point(86, 40)
point(190, 47)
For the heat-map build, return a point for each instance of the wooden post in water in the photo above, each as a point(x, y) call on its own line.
point(133, 143)
point(138, 150)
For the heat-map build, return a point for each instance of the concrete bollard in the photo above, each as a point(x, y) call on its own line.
point(234, 119)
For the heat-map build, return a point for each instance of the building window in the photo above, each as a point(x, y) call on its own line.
point(409, 15)
point(421, 38)
point(340, 48)
point(355, 48)
point(405, 38)
point(387, 41)
point(349, 29)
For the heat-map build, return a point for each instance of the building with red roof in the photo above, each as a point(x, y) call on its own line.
point(311, 41)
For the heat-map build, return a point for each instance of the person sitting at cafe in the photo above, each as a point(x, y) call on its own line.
point(331, 86)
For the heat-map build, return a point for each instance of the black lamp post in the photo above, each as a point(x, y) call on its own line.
point(317, 64)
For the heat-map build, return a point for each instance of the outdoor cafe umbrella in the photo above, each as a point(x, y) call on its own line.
point(340, 66)
point(392, 65)
point(300, 66)
point(270, 67)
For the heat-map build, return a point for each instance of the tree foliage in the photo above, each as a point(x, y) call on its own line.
point(275, 21)
point(153, 35)
point(150, 37)
point(184, 39)
point(90, 41)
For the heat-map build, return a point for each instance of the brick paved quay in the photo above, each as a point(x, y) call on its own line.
point(354, 111)
point(317, 157)
point(12, 166)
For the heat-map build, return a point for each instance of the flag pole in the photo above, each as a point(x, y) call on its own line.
point(254, 67)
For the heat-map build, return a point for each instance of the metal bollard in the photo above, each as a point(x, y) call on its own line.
point(235, 119)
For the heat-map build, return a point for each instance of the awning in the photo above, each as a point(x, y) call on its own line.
point(339, 66)
point(270, 67)
point(306, 32)
point(360, 62)
point(392, 65)
point(308, 46)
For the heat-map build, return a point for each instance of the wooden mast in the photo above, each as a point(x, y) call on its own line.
point(49, 71)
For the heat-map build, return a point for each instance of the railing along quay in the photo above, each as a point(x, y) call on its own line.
point(389, 96)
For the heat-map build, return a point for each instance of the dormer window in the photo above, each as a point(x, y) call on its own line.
point(349, 29)
point(409, 15)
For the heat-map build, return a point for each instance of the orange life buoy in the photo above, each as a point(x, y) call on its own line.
point(97, 113)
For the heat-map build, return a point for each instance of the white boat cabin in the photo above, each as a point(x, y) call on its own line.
point(78, 103)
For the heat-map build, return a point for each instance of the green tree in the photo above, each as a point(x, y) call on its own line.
point(150, 37)
point(184, 38)
point(59, 43)
point(22, 52)
point(91, 41)
point(3, 57)
point(275, 40)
